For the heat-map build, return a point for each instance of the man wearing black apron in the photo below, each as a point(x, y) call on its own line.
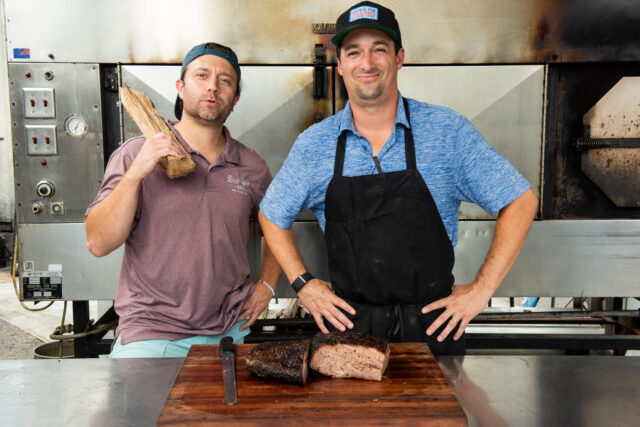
point(390, 255)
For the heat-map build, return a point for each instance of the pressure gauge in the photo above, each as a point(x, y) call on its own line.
point(75, 125)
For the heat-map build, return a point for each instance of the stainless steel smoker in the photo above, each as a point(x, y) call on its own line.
point(525, 73)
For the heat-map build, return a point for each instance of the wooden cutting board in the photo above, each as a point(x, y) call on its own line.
point(413, 392)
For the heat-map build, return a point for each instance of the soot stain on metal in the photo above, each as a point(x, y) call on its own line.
point(586, 30)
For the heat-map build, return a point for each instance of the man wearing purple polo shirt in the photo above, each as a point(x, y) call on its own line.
point(185, 273)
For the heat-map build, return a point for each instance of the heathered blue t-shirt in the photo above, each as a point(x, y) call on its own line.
point(454, 159)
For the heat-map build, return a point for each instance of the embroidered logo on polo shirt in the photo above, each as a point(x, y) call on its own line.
point(363, 12)
point(239, 185)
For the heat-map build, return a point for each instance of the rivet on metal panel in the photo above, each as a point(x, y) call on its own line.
point(57, 208)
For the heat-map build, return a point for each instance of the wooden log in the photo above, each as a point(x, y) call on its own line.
point(144, 115)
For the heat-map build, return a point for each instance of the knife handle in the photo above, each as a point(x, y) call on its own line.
point(226, 347)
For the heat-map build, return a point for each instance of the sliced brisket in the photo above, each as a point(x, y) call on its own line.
point(349, 355)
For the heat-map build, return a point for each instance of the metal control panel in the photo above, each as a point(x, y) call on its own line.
point(57, 140)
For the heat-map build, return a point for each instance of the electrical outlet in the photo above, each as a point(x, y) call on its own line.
point(39, 103)
point(41, 140)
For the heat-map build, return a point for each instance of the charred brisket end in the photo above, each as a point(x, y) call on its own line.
point(349, 355)
point(351, 338)
point(280, 360)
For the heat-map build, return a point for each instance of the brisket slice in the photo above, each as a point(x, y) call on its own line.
point(280, 360)
point(349, 355)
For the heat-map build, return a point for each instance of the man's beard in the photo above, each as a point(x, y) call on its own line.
point(208, 118)
point(370, 95)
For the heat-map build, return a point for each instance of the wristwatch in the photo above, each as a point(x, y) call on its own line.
point(301, 281)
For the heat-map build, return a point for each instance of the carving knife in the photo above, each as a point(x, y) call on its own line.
point(228, 371)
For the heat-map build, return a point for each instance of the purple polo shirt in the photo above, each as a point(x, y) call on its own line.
point(185, 269)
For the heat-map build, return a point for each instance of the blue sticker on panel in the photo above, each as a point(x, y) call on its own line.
point(21, 53)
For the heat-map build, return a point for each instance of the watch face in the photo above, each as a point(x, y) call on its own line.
point(75, 125)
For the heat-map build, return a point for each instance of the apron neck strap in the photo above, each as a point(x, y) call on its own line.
point(340, 149)
point(409, 148)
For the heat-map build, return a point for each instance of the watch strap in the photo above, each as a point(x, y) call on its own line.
point(301, 280)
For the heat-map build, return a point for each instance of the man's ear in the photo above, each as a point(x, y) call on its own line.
point(400, 58)
point(180, 87)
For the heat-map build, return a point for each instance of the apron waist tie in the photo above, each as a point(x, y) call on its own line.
point(396, 317)
point(402, 323)
point(396, 329)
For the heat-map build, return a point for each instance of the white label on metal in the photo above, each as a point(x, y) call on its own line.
point(55, 267)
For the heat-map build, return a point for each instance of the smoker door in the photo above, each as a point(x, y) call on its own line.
point(503, 102)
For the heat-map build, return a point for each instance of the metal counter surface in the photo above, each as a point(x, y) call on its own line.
point(85, 392)
point(493, 390)
point(546, 390)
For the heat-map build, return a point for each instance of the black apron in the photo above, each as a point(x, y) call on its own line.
point(389, 252)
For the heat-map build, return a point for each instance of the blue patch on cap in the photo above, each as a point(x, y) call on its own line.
point(363, 12)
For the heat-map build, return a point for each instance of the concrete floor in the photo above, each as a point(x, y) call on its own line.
point(15, 343)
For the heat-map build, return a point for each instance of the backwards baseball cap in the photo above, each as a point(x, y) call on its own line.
point(215, 49)
point(367, 14)
point(223, 52)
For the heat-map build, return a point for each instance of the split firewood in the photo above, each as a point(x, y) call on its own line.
point(144, 115)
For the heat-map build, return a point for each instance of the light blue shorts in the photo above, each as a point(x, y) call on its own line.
point(175, 348)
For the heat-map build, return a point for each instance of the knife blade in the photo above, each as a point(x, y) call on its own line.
point(228, 371)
